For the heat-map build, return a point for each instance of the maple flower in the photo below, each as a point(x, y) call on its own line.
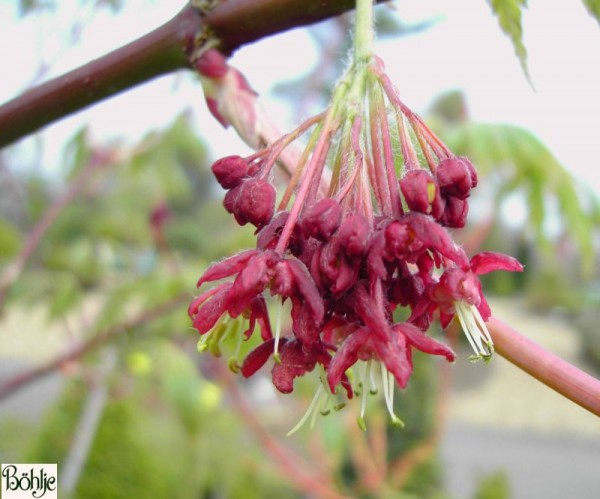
point(458, 292)
point(360, 231)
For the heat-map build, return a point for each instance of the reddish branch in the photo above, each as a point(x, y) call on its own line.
point(12, 272)
point(231, 23)
point(144, 317)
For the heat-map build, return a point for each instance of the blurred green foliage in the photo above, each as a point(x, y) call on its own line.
point(493, 486)
point(165, 431)
point(159, 437)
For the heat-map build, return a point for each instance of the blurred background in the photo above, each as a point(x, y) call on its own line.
point(108, 218)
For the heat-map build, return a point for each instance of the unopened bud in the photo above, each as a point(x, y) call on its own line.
point(255, 202)
point(322, 219)
point(229, 171)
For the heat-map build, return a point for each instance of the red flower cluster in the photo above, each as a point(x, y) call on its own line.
point(347, 258)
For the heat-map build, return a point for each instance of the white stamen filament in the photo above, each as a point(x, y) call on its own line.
point(201, 346)
point(364, 379)
point(386, 389)
point(309, 412)
point(372, 383)
point(475, 329)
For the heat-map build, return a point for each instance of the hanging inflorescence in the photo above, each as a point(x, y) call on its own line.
point(359, 233)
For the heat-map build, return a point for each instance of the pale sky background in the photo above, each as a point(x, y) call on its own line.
point(464, 50)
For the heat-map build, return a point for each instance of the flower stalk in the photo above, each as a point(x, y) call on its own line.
point(550, 369)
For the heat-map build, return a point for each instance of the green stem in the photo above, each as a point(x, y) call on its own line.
point(363, 35)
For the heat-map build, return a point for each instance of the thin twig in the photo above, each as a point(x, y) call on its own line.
point(88, 425)
point(14, 269)
point(142, 318)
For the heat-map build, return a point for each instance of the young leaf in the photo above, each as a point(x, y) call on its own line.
point(509, 17)
point(593, 7)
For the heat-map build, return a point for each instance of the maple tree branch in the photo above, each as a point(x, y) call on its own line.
point(170, 47)
point(157, 53)
point(144, 317)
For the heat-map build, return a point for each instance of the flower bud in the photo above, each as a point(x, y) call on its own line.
point(229, 171)
point(255, 203)
point(455, 213)
point(212, 64)
point(455, 177)
point(354, 235)
point(322, 219)
point(419, 190)
point(231, 198)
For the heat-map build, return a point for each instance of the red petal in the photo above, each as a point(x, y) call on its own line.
point(394, 354)
point(258, 357)
point(261, 312)
point(209, 307)
point(249, 283)
point(227, 267)
point(346, 357)
point(304, 327)
point(307, 288)
point(434, 236)
point(418, 339)
point(372, 316)
point(346, 278)
point(295, 362)
point(488, 261)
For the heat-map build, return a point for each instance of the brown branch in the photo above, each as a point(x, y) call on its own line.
point(239, 22)
point(157, 53)
point(144, 317)
point(546, 367)
point(164, 50)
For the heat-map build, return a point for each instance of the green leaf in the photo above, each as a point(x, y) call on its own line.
point(27, 6)
point(521, 163)
point(509, 17)
point(10, 239)
point(77, 153)
point(65, 294)
point(593, 7)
